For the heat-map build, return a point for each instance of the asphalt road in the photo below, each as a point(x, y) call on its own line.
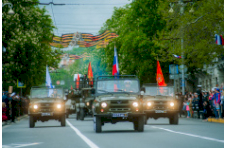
point(80, 134)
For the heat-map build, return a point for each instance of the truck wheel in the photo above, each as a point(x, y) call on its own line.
point(82, 114)
point(78, 116)
point(135, 125)
point(145, 119)
point(67, 115)
point(97, 124)
point(174, 119)
point(63, 120)
point(31, 122)
point(140, 124)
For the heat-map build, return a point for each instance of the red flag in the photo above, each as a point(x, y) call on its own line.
point(90, 74)
point(78, 81)
point(71, 87)
point(159, 77)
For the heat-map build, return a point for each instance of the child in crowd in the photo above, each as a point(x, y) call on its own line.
point(188, 109)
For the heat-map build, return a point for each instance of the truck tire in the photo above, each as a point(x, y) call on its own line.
point(140, 124)
point(174, 119)
point(31, 121)
point(82, 114)
point(145, 119)
point(63, 120)
point(97, 124)
point(135, 125)
point(67, 115)
point(78, 115)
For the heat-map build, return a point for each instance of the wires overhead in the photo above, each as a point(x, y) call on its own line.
point(52, 3)
point(54, 17)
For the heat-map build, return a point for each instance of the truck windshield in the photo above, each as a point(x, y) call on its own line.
point(40, 93)
point(109, 86)
point(164, 91)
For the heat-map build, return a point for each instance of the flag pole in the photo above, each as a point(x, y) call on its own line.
point(156, 74)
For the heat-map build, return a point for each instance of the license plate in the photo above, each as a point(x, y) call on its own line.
point(119, 115)
point(46, 114)
point(160, 111)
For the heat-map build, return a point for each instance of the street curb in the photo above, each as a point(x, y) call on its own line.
point(18, 119)
point(220, 120)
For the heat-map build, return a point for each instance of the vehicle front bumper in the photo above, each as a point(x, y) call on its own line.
point(110, 115)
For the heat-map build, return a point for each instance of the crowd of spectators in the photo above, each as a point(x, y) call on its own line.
point(13, 106)
point(205, 103)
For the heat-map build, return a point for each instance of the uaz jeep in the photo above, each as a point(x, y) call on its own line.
point(45, 104)
point(117, 98)
point(160, 102)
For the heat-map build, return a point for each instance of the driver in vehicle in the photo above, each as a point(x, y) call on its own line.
point(55, 95)
point(128, 87)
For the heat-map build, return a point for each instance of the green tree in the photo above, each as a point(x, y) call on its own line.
point(26, 36)
point(137, 24)
point(198, 29)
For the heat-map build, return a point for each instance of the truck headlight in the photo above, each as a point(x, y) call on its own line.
point(103, 105)
point(135, 104)
point(171, 104)
point(59, 106)
point(35, 106)
point(87, 103)
point(149, 103)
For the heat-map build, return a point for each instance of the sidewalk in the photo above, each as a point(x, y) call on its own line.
point(17, 120)
point(220, 120)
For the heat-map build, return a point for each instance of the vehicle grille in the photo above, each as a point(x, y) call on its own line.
point(46, 107)
point(160, 105)
point(119, 105)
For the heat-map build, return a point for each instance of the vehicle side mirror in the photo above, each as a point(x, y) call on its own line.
point(143, 89)
point(93, 91)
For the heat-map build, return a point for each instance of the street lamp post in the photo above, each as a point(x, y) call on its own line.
point(10, 5)
point(181, 3)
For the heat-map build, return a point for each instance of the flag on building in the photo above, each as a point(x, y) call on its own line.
point(90, 74)
point(219, 39)
point(115, 70)
point(176, 56)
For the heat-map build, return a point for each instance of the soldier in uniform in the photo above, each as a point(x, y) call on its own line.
point(128, 87)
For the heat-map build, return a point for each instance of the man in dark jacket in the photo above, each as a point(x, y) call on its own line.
point(195, 104)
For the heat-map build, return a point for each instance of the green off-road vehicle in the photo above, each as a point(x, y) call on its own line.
point(117, 98)
point(45, 104)
point(160, 102)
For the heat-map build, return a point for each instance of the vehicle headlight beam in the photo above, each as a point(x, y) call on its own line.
point(103, 105)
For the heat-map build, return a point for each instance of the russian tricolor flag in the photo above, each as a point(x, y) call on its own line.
point(176, 56)
point(219, 39)
point(115, 70)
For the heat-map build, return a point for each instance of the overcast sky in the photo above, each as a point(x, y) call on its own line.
point(85, 16)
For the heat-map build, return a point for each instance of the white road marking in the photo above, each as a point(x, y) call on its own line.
point(192, 135)
point(18, 145)
point(89, 142)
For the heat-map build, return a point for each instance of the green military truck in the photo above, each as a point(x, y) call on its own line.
point(117, 99)
point(160, 102)
point(46, 104)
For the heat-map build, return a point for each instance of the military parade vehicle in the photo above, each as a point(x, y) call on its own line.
point(82, 96)
point(70, 104)
point(160, 102)
point(45, 104)
point(117, 99)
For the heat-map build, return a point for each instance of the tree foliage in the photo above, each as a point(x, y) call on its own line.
point(198, 29)
point(146, 30)
point(26, 36)
point(136, 24)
